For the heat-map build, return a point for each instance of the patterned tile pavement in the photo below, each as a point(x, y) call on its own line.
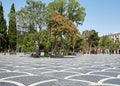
point(87, 70)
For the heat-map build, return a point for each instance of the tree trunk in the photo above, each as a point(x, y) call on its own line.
point(73, 49)
point(61, 44)
point(90, 51)
point(0, 44)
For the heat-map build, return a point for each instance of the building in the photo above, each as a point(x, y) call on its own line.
point(115, 37)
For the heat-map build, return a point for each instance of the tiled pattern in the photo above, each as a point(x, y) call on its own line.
point(87, 70)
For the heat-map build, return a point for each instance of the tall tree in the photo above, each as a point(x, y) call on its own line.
point(3, 29)
point(71, 9)
point(75, 12)
point(29, 43)
point(58, 5)
point(33, 14)
point(91, 37)
point(12, 30)
point(62, 26)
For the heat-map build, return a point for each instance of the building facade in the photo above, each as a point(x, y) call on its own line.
point(115, 37)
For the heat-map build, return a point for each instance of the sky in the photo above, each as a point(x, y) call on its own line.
point(101, 15)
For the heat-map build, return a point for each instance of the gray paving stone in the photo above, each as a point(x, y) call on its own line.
point(91, 78)
point(2, 70)
point(60, 75)
point(44, 69)
point(113, 81)
point(64, 83)
point(9, 74)
point(57, 68)
point(107, 73)
point(38, 71)
point(114, 70)
point(6, 84)
point(27, 80)
point(84, 71)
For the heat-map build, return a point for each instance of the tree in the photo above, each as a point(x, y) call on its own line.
point(61, 28)
point(3, 30)
point(31, 29)
point(75, 12)
point(44, 42)
point(92, 39)
point(58, 5)
point(12, 30)
point(78, 42)
point(106, 42)
point(70, 9)
point(29, 43)
point(33, 14)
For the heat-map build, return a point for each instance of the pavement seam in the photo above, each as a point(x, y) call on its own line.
point(45, 81)
point(13, 82)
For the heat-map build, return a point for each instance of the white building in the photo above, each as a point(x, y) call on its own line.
point(115, 37)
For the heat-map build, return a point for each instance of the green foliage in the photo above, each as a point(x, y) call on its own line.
point(61, 28)
point(3, 30)
point(75, 12)
point(33, 13)
point(91, 36)
point(58, 5)
point(90, 40)
point(107, 43)
point(31, 29)
point(29, 43)
point(20, 38)
point(78, 42)
point(12, 31)
point(44, 42)
point(33, 16)
point(70, 9)
point(60, 17)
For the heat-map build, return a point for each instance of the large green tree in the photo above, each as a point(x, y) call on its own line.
point(3, 28)
point(12, 30)
point(106, 42)
point(91, 38)
point(63, 28)
point(44, 42)
point(69, 8)
point(33, 14)
point(29, 43)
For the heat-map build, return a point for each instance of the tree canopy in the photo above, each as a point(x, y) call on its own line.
point(50, 28)
point(69, 8)
point(32, 14)
point(91, 37)
point(3, 30)
point(12, 30)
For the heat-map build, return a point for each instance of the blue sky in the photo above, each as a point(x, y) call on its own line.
point(101, 15)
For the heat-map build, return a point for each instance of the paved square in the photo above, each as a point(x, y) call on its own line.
point(87, 70)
